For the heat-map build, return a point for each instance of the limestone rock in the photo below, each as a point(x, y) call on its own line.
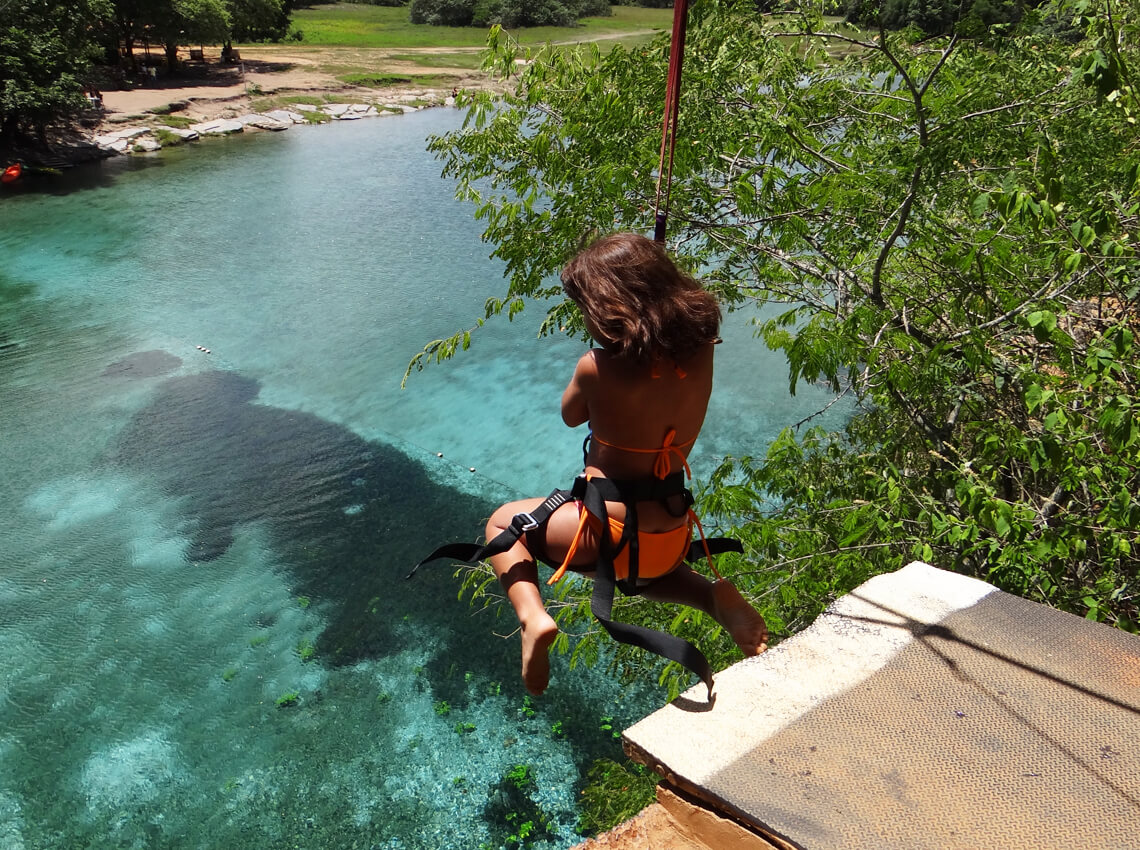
point(111, 140)
point(220, 127)
point(186, 135)
point(287, 115)
point(116, 145)
point(262, 122)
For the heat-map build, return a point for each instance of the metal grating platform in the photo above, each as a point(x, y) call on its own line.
point(924, 710)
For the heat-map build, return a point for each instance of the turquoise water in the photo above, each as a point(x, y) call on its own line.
point(187, 538)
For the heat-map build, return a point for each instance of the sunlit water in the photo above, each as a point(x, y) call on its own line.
point(188, 538)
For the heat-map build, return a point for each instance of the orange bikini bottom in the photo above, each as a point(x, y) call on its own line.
point(658, 552)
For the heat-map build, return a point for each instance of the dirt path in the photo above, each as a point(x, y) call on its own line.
point(210, 89)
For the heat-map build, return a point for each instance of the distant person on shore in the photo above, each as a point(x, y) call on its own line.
point(644, 393)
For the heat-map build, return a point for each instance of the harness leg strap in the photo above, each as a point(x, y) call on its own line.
point(520, 525)
point(666, 645)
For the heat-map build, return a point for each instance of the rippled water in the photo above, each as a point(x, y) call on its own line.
point(188, 538)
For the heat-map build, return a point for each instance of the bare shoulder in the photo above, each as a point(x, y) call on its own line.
point(588, 362)
point(579, 394)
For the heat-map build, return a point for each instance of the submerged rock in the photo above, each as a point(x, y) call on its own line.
point(210, 544)
point(143, 364)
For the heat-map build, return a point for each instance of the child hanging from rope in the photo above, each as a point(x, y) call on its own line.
point(644, 394)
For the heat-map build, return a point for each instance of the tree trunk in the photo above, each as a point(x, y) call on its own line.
point(171, 57)
point(9, 128)
point(127, 60)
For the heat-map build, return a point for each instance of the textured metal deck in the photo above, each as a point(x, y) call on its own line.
point(924, 710)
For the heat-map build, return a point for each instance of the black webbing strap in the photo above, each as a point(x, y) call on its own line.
point(594, 493)
point(666, 645)
point(504, 540)
point(715, 545)
point(669, 647)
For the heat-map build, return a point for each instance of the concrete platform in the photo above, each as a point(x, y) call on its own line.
point(923, 710)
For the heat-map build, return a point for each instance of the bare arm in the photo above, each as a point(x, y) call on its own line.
point(575, 398)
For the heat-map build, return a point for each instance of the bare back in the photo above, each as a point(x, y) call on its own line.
point(634, 407)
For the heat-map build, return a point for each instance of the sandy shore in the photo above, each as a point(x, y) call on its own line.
point(209, 90)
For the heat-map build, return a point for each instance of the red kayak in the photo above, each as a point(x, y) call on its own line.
point(12, 173)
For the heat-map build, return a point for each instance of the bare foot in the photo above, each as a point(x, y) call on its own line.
point(739, 618)
point(537, 636)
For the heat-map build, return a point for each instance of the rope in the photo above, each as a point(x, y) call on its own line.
point(669, 121)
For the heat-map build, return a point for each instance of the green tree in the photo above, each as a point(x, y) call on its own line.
point(259, 20)
point(949, 229)
point(172, 23)
point(45, 51)
point(178, 22)
point(442, 13)
point(507, 13)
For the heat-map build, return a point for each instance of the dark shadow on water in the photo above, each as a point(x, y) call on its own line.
point(143, 364)
point(84, 176)
point(348, 518)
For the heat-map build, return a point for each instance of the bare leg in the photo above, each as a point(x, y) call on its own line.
point(720, 600)
point(518, 574)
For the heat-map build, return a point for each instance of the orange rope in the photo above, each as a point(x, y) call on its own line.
point(705, 544)
point(669, 121)
point(583, 518)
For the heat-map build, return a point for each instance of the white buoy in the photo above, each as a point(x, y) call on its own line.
point(439, 454)
point(472, 468)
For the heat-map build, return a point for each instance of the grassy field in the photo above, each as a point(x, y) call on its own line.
point(355, 25)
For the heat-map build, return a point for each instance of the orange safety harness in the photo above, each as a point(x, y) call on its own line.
point(592, 493)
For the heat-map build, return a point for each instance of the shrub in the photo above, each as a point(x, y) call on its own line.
point(442, 13)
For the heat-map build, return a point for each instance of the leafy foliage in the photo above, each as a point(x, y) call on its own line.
point(936, 17)
point(507, 13)
point(45, 50)
point(949, 226)
point(614, 792)
point(515, 818)
point(259, 20)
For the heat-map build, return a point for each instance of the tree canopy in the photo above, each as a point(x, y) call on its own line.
point(48, 46)
point(948, 227)
point(507, 13)
point(44, 50)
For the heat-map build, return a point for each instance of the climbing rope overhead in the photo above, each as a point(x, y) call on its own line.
point(669, 121)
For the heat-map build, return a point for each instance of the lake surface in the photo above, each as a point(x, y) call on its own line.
point(189, 539)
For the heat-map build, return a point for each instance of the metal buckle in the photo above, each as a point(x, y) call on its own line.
point(529, 522)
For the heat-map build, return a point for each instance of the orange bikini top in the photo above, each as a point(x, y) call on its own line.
point(662, 464)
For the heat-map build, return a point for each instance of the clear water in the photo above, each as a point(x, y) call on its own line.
point(186, 538)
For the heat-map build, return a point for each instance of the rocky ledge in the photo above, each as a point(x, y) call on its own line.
point(145, 139)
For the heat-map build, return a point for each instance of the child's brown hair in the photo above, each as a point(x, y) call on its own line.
point(639, 303)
